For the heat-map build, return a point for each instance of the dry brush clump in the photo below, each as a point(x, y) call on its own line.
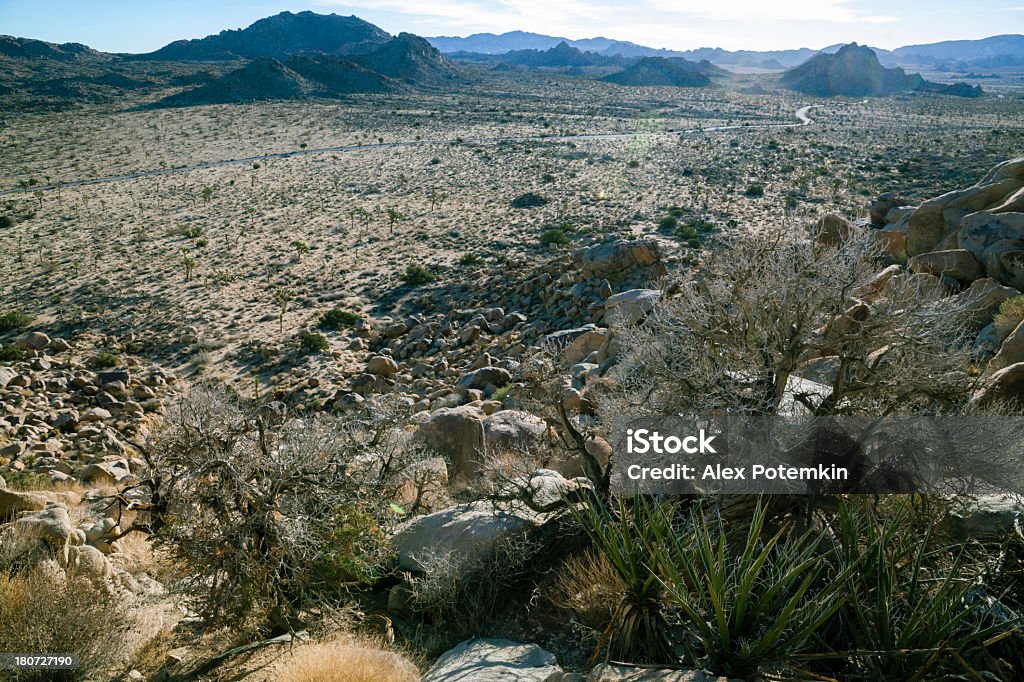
point(345, 660)
point(272, 519)
point(767, 309)
point(43, 612)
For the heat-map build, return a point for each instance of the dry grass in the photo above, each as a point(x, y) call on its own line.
point(345, 660)
point(587, 585)
point(40, 612)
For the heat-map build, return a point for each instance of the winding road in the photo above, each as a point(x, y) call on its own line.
point(801, 115)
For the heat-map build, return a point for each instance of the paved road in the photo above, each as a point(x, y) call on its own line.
point(801, 115)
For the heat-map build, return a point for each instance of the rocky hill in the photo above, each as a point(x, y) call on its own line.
point(395, 66)
point(410, 59)
point(662, 71)
point(853, 71)
point(279, 36)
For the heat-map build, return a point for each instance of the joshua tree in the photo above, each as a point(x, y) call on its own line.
point(282, 297)
point(393, 217)
point(189, 262)
point(207, 194)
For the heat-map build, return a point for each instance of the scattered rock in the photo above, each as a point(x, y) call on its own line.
point(494, 660)
point(630, 307)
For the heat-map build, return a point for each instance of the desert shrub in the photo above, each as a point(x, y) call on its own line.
point(260, 510)
point(754, 191)
point(1011, 312)
point(47, 614)
point(345, 661)
point(12, 353)
point(14, 320)
point(313, 342)
point(416, 274)
point(554, 236)
point(467, 259)
point(105, 360)
point(6, 221)
point(462, 596)
point(337, 318)
point(529, 200)
point(669, 222)
point(588, 585)
point(686, 232)
point(766, 304)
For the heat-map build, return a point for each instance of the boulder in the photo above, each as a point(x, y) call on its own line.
point(630, 307)
point(494, 660)
point(980, 230)
point(979, 302)
point(936, 218)
point(457, 434)
point(513, 431)
point(1011, 351)
point(485, 376)
point(831, 229)
point(960, 264)
point(992, 516)
point(892, 244)
point(1004, 386)
point(7, 374)
point(13, 502)
point(459, 538)
point(616, 260)
point(422, 484)
point(34, 341)
point(576, 343)
point(381, 365)
point(51, 526)
point(1004, 262)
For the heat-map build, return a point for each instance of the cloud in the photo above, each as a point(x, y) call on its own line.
point(833, 11)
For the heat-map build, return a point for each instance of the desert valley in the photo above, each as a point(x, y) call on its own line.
point(315, 342)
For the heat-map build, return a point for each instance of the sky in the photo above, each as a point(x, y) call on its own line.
point(145, 25)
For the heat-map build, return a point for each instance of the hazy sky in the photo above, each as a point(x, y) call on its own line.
point(144, 25)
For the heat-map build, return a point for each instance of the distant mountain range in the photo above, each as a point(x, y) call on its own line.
point(983, 53)
point(295, 55)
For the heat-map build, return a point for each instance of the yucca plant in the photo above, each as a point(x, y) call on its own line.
point(911, 614)
point(749, 602)
point(623, 532)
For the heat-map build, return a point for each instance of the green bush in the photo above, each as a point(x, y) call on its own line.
point(669, 222)
point(6, 221)
point(336, 319)
point(105, 360)
point(416, 275)
point(554, 235)
point(686, 232)
point(469, 259)
point(12, 353)
point(14, 320)
point(755, 191)
point(313, 342)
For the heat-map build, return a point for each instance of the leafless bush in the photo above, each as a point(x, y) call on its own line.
point(269, 519)
point(766, 309)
